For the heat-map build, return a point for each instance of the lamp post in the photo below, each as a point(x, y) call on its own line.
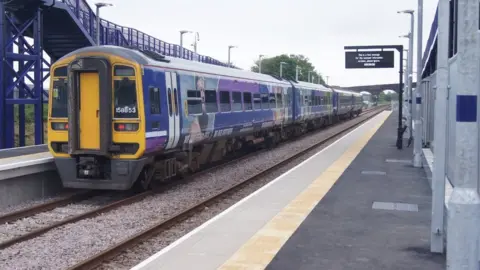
point(260, 63)
point(417, 143)
point(230, 47)
point(197, 38)
point(405, 87)
point(281, 68)
point(99, 6)
point(297, 68)
point(410, 66)
point(310, 72)
point(182, 32)
point(409, 82)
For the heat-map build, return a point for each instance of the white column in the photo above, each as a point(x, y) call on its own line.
point(464, 205)
point(440, 130)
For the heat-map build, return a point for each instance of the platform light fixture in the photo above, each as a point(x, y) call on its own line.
point(195, 41)
point(182, 32)
point(297, 70)
point(99, 5)
point(410, 67)
point(281, 68)
point(230, 47)
point(260, 58)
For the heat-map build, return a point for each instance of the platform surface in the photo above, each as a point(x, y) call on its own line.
point(250, 233)
point(376, 216)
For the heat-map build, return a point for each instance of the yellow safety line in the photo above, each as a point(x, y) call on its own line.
point(260, 249)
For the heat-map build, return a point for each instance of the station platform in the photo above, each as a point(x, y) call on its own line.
point(357, 204)
point(23, 151)
point(13, 161)
point(27, 173)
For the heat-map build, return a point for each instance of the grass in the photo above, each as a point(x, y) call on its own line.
point(30, 124)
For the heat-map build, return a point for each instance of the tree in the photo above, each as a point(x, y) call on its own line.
point(271, 66)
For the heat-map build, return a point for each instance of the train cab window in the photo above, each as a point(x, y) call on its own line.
point(60, 72)
point(194, 102)
point(211, 105)
point(59, 98)
point(125, 102)
point(154, 100)
point(279, 100)
point(247, 101)
point(225, 105)
point(265, 103)
point(273, 104)
point(123, 71)
point(237, 101)
point(257, 102)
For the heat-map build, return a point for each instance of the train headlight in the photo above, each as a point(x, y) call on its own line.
point(126, 126)
point(59, 126)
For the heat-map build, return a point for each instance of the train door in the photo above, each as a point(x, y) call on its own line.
point(173, 109)
point(89, 107)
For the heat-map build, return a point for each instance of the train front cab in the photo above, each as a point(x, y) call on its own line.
point(98, 140)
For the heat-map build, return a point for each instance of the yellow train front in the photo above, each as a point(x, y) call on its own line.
point(93, 145)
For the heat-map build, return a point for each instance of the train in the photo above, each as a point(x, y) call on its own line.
point(123, 117)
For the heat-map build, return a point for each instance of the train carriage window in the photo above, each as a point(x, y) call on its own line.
point(170, 105)
point(59, 99)
point(125, 94)
point(257, 102)
point(154, 100)
point(194, 102)
point(175, 96)
point(273, 104)
point(237, 101)
point(225, 105)
point(279, 100)
point(288, 97)
point(247, 101)
point(265, 103)
point(211, 105)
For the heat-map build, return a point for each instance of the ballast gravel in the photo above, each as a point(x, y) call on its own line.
point(31, 203)
point(41, 220)
point(68, 245)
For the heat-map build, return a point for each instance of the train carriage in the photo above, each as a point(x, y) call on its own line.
point(120, 116)
point(313, 105)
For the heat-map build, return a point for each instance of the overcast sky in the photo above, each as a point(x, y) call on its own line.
point(318, 29)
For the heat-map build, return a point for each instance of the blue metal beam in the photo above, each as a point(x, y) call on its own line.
point(15, 91)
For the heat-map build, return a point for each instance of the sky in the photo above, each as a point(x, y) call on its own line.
point(318, 29)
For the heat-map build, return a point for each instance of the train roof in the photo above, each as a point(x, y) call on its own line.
point(312, 86)
point(148, 58)
point(338, 90)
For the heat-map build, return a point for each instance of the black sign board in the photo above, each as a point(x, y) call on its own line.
point(369, 59)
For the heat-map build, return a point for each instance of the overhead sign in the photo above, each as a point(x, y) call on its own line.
point(369, 59)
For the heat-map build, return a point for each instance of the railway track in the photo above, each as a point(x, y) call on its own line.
point(37, 209)
point(59, 203)
point(98, 259)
